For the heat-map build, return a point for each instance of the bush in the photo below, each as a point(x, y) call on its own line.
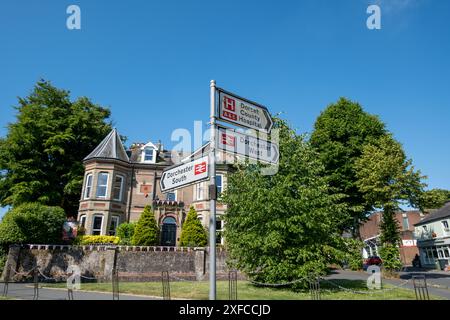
point(390, 254)
point(193, 234)
point(3, 257)
point(32, 223)
point(353, 255)
point(125, 232)
point(87, 240)
point(146, 232)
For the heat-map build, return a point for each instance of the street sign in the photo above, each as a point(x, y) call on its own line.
point(243, 112)
point(185, 174)
point(248, 146)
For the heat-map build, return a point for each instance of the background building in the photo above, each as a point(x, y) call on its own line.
point(118, 184)
point(433, 238)
point(370, 234)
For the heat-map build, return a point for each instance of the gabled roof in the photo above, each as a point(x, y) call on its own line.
point(110, 148)
point(442, 213)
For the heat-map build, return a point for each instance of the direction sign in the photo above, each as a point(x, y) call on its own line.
point(185, 174)
point(243, 112)
point(248, 146)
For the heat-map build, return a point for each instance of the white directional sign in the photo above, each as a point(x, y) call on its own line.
point(244, 113)
point(248, 146)
point(185, 174)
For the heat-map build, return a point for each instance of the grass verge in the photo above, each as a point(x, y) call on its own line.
point(193, 290)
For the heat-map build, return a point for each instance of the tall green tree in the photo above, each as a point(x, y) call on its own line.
point(146, 231)
point(387, 179)
point(434, 199)
point(41, 156)
point(283, 227)
point(193, 234)
point(340, 134)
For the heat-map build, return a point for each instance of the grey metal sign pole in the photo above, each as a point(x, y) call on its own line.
point(212, 193)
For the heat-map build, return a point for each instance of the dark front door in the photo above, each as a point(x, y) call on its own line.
point(169, 232)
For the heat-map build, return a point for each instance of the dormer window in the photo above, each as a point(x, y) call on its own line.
point(148, 155)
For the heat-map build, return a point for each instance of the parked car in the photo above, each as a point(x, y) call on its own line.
point(374, 260)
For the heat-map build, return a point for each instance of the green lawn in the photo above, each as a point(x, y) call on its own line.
point(247, 291)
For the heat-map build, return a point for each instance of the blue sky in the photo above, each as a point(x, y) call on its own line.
point(151, 62)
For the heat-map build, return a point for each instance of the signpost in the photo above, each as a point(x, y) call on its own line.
point(184, 174)
point(242, 112)
point(237, 111)
point(248, 146)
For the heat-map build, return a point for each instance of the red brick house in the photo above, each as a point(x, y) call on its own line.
point(370, 234)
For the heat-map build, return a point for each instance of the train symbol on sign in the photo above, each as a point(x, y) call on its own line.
point(228, 140)
point(200, 168)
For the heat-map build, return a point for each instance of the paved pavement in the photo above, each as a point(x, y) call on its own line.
point(434, 278)
point(26, 292)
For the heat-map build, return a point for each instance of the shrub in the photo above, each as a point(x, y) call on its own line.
point(3, 256)
point(353, 255)
point(32, 223)
point(125, 232)
point(146, 232)
point(193, 234)
point(390, 254)
point(87, 240)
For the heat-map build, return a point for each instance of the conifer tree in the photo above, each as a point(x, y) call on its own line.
point(146, 232)
point(193, 234)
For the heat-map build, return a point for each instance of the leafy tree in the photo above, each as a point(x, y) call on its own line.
point(353, 253)
point(193, 234)
point(32, 223)
point(146, 232)
point(125, 232)
point(434, 199)
point(283, 227)
point(387, 179)
point(41, 156)
point(340, 134)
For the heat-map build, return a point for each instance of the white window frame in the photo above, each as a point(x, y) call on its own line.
point(444, 223)
point(83, 223)
point(117, 218)
point(221, 184)
point(222, 228)
point(122, 179)
point(144, 152)
point(199, 191)
point(101, 225)
point(87, 186)
point(106, 185)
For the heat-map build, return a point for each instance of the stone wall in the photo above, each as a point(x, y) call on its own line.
point(133, 263)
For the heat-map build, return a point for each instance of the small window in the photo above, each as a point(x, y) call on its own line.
point(118, 188)
point(405, 223)
point(88, 187)
point(219, 181)
point(446, 253)
point(171, 196)
point(199, 191)
point(425, 228)
point(97, 225)
point(102, 184)
point(148, 155)
point(83, 221)
point(219, 231)
point(113, 226)
point(445, 224)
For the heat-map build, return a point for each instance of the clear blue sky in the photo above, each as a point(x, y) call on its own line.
point(151, 62)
